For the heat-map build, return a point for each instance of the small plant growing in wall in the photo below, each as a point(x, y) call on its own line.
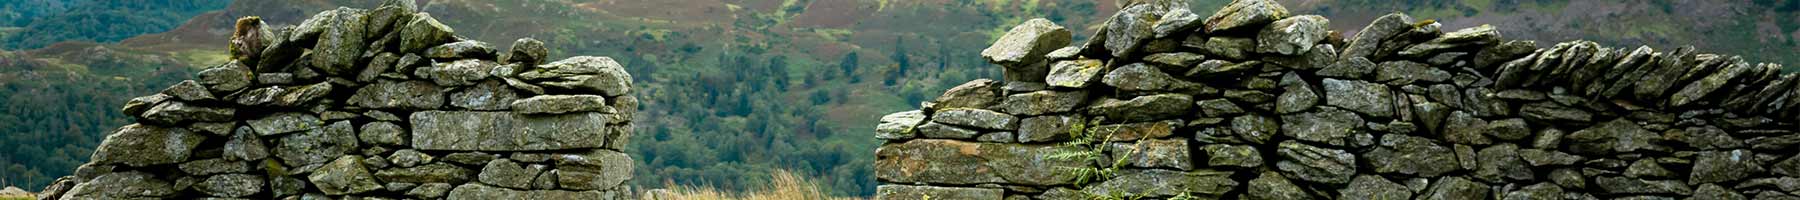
point(1090, 147)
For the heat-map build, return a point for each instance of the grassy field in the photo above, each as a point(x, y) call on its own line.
point(783, 185)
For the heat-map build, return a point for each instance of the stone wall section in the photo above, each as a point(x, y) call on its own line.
point(383, 103)
point(1252, 102)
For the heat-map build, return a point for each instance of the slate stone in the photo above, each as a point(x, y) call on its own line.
point(146, 145)
point(506, 131)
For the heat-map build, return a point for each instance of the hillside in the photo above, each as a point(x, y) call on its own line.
point(734, 88)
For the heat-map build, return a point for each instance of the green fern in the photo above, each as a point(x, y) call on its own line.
point(1090, 147)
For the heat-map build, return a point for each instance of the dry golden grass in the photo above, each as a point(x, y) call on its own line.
point(784, 186)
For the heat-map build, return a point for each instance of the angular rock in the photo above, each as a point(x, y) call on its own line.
point(464, 72)
point(1230, 48)
point(1617, 136)
point(245, 146)
point(1175, 61)
point(1244, 14)
point(1706, 86)
point(1704, 138)
point(1026, 44)
point(1348, 68)
point(177, 112)
point(1218, 108)
point(1143, 108)
point(1407, 73)
point(1453, 187)
point(1509, 129)
point(1468, 37)
point(1500, 163)
point(1315, 164)
point(903, 192)
point(1256, 129)
point(1372, 187)
point(594, 170)
point(424, 32)
point(382, 133)
point(1464, 128)
point(145, 145)
point(1716, 192)
point(1297, 95)
point(585, 74)
point(526, 51)
point(560, 104)
point(1647, 168)
point(1165, 183)
point(1539, 157)
point(984, 119)
point(231, 185)
point(1411, 155)
point(409, 158)
point(1043, 102)
point(949, 162)
point(976, 94)
point(941, 131)
point(1053, 128)
point(1135, 131)
point(1367, 41)
point(1293, 35)
point(317, 146)
point(1724, 166)
point(508, 174)
point(226, 78)
point(1550, 111)
point(345, 175)
point(466, 49)
point(479, 191)
point(285, 122)
point(1139, 77)
point(1622, 185)
point(1540, 191)
point(430, 173)
point(1332, 127)
point(122, 185)
point(137, 106)
point(1075, 73)
point(1132, 26)
point(278, 96)
point(1273, 186)
point(410, 95)
point(189, 90)
point(1154, 153)
point(900, 125)
point(506, 131)
point(1374, 100)
point(342, 43)
point(1227, 155)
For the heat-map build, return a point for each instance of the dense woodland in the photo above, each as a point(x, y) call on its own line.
point(725, 102)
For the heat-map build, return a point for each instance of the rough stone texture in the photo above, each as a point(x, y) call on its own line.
point(1023, 47)
point(1404, 111)
point(384, 103)
point(902, 192)
point(949, 161)
point(506, 131)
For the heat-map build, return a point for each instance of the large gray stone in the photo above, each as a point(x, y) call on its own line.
point(1154, 153)
point(285, 122)
point(560, 104)
point(226, 78)
point(583, 74)
point(177, 113)
point(1139, 77)
point(1052, 128)
point(1043, 102)
point(1244, 14)
point(1371, 38)
point(1724, 166)
point(1455, 187)
point(1501, 163)
point(977, 118)
point(1022, 49)
point(189, 90)
point(1403, 154)
point(466, 49)
point(1227, 155)
point(909, 192)
point(1333, 127)
point(122, 185)
point(1255, 128)
point(1374, 100)
point(430, 173)
point(594, 170)
point(975, 94)
point(1165, 183)
point(1273, 186)
point(464, 72)
point(1408, 72)
point(410, 95)
point(245, 145)
point(1143, 108)
point(900, 125)
point(1315, 164)
point(279, 96)
point(479, 191)
point(342, 43)
point(1372, 187)
point(342, 176)
point(382, 133)
point(1293, 35)
point(424, 32)
point(506, 131)
point(145, 145)
point(1075, 73)
point(231, 185)
point(950, 162)
point(506, 173)
point(526, 51)
point(1617, 136)
point(317, 146)
point(1297, 95)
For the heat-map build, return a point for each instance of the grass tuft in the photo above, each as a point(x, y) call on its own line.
point(783, 185)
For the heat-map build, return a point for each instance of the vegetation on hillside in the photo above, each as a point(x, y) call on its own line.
point(50, 21)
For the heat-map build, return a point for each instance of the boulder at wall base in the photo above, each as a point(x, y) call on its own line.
point(144, 145)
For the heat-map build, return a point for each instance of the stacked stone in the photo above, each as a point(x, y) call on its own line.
point(372, 104)
point(1252, 103)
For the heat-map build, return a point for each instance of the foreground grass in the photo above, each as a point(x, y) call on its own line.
point(784, 186)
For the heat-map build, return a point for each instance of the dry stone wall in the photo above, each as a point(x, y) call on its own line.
point(383, 103)
point(1252, 102)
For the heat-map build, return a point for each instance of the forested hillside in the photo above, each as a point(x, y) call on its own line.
point(731, 89)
